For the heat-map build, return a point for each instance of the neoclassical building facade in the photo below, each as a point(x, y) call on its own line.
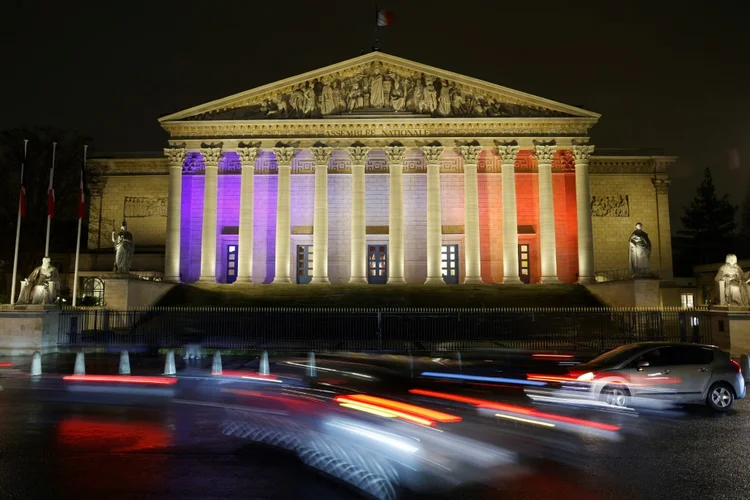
point(381, 170)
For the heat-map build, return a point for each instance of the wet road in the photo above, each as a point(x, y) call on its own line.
point(169, 450)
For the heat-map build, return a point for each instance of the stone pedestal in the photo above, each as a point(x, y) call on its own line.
point(122, 291)
point(28, 328)
point(730, 329)
point(638, 292)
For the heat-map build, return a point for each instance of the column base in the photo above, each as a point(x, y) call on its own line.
point(434, 281)
point(171, 279)
point(320, 281)
point(586, 280)
point(359, 280)
point(244, 280)
point(282, 281)
point(512, 281)
point(550, 280)
point(396, 281)
point(473, 280)
point(207, 280)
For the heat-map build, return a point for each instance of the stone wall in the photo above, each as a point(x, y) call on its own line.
point(24, 330)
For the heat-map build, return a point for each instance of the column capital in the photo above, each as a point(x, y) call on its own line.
point(211, 154)
point(395, 153)
point(321, 154)
point(284, 155)
point(247, 155)
point(358, 153)
point(581, 152)
point(176, 155)
point(432, 153)
point(661, 185)
point(544, 151)
point(507, 151)
point(470, 153)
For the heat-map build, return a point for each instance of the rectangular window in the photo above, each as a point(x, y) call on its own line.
point(687, 299)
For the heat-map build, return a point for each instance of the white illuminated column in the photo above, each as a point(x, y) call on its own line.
point(245, 238)
point(176, 156)
point(581, 153)
point(395, 155)
point(358, 155)
point(284, 156)
point(507, 153)
point(211, 156)
point(544, 152)
point(321, 155)
point(470, 155)
point(434, 221)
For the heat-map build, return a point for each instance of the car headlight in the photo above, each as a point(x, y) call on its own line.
point(586, 377)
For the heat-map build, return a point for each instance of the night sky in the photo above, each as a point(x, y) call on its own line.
point(671, 77)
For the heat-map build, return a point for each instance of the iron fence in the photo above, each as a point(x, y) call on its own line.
point(388, 329)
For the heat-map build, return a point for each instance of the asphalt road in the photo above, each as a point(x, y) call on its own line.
point(63, 450)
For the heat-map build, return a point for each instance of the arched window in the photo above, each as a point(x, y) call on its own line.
point(93, 292)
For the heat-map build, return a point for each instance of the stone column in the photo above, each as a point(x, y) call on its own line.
point(507, 152)
point(581, 153)
point(284, 156)
point(665, 271)
point(211, 155)
point(176, 156)
point(544, 152)
point(358, 154)
point(470, 155)
point(247, 192)
point(321, 155)
point(395, 154)
point(434, 221)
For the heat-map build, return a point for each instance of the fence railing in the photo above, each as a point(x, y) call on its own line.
point(388, 329)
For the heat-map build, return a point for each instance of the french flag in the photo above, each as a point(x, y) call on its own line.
point(384, 18)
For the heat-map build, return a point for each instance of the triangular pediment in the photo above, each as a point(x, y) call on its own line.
point(378, 85)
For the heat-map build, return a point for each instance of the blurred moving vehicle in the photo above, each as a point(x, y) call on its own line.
point(681, 373)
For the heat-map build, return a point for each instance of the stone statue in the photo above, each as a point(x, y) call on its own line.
point(377, 97)
point(42, 286)
point(398, 100)
point(640, 252)
point(429, 96)
point(444, 101)
point(327, 101)
point(309, 100)
point(735, 290)
point(355, 100)
point(297, 99)
point(123, 249)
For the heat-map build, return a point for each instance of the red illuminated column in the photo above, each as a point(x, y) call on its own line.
point(432, 155)
point(176, 156)
point(507, 152)
point(395, 154)
point(211, 156)
point(544, 152)
point(284, 157)
point(245, 238)
point(581, 153)
point(470, 155)
point(358, 154)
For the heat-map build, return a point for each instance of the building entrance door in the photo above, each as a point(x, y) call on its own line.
point(304, 264)
point(450, 264)
point(377, 270)
point(231, 274)
point(524, 271)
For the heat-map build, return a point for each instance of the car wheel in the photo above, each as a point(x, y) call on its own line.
point(720, 397)
point(616, 395)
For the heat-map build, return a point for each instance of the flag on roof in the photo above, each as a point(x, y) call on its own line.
point(384, 18)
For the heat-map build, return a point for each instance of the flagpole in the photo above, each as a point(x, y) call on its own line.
point(49, 216)
point(78, 240)
point(18, 230)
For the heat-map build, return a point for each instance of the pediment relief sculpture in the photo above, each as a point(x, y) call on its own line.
point(376, 87)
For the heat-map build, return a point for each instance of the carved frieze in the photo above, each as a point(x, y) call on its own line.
point(376, 166)
point(303, 167)
point(340, 166)
point(376, 86)
point(145, 206)
point(610, 206)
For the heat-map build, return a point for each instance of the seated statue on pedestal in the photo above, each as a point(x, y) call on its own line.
point(42, 286)
point(123, 249)
point(733, 283)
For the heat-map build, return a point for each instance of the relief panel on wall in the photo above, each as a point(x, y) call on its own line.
point(610, 206)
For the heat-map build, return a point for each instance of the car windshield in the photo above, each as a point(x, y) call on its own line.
point(616, 356)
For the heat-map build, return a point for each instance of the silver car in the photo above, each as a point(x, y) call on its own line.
point(680, 373)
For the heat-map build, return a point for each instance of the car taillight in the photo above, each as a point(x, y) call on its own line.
point(737, 366)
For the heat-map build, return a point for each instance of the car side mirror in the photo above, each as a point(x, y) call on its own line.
point(643, 364)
